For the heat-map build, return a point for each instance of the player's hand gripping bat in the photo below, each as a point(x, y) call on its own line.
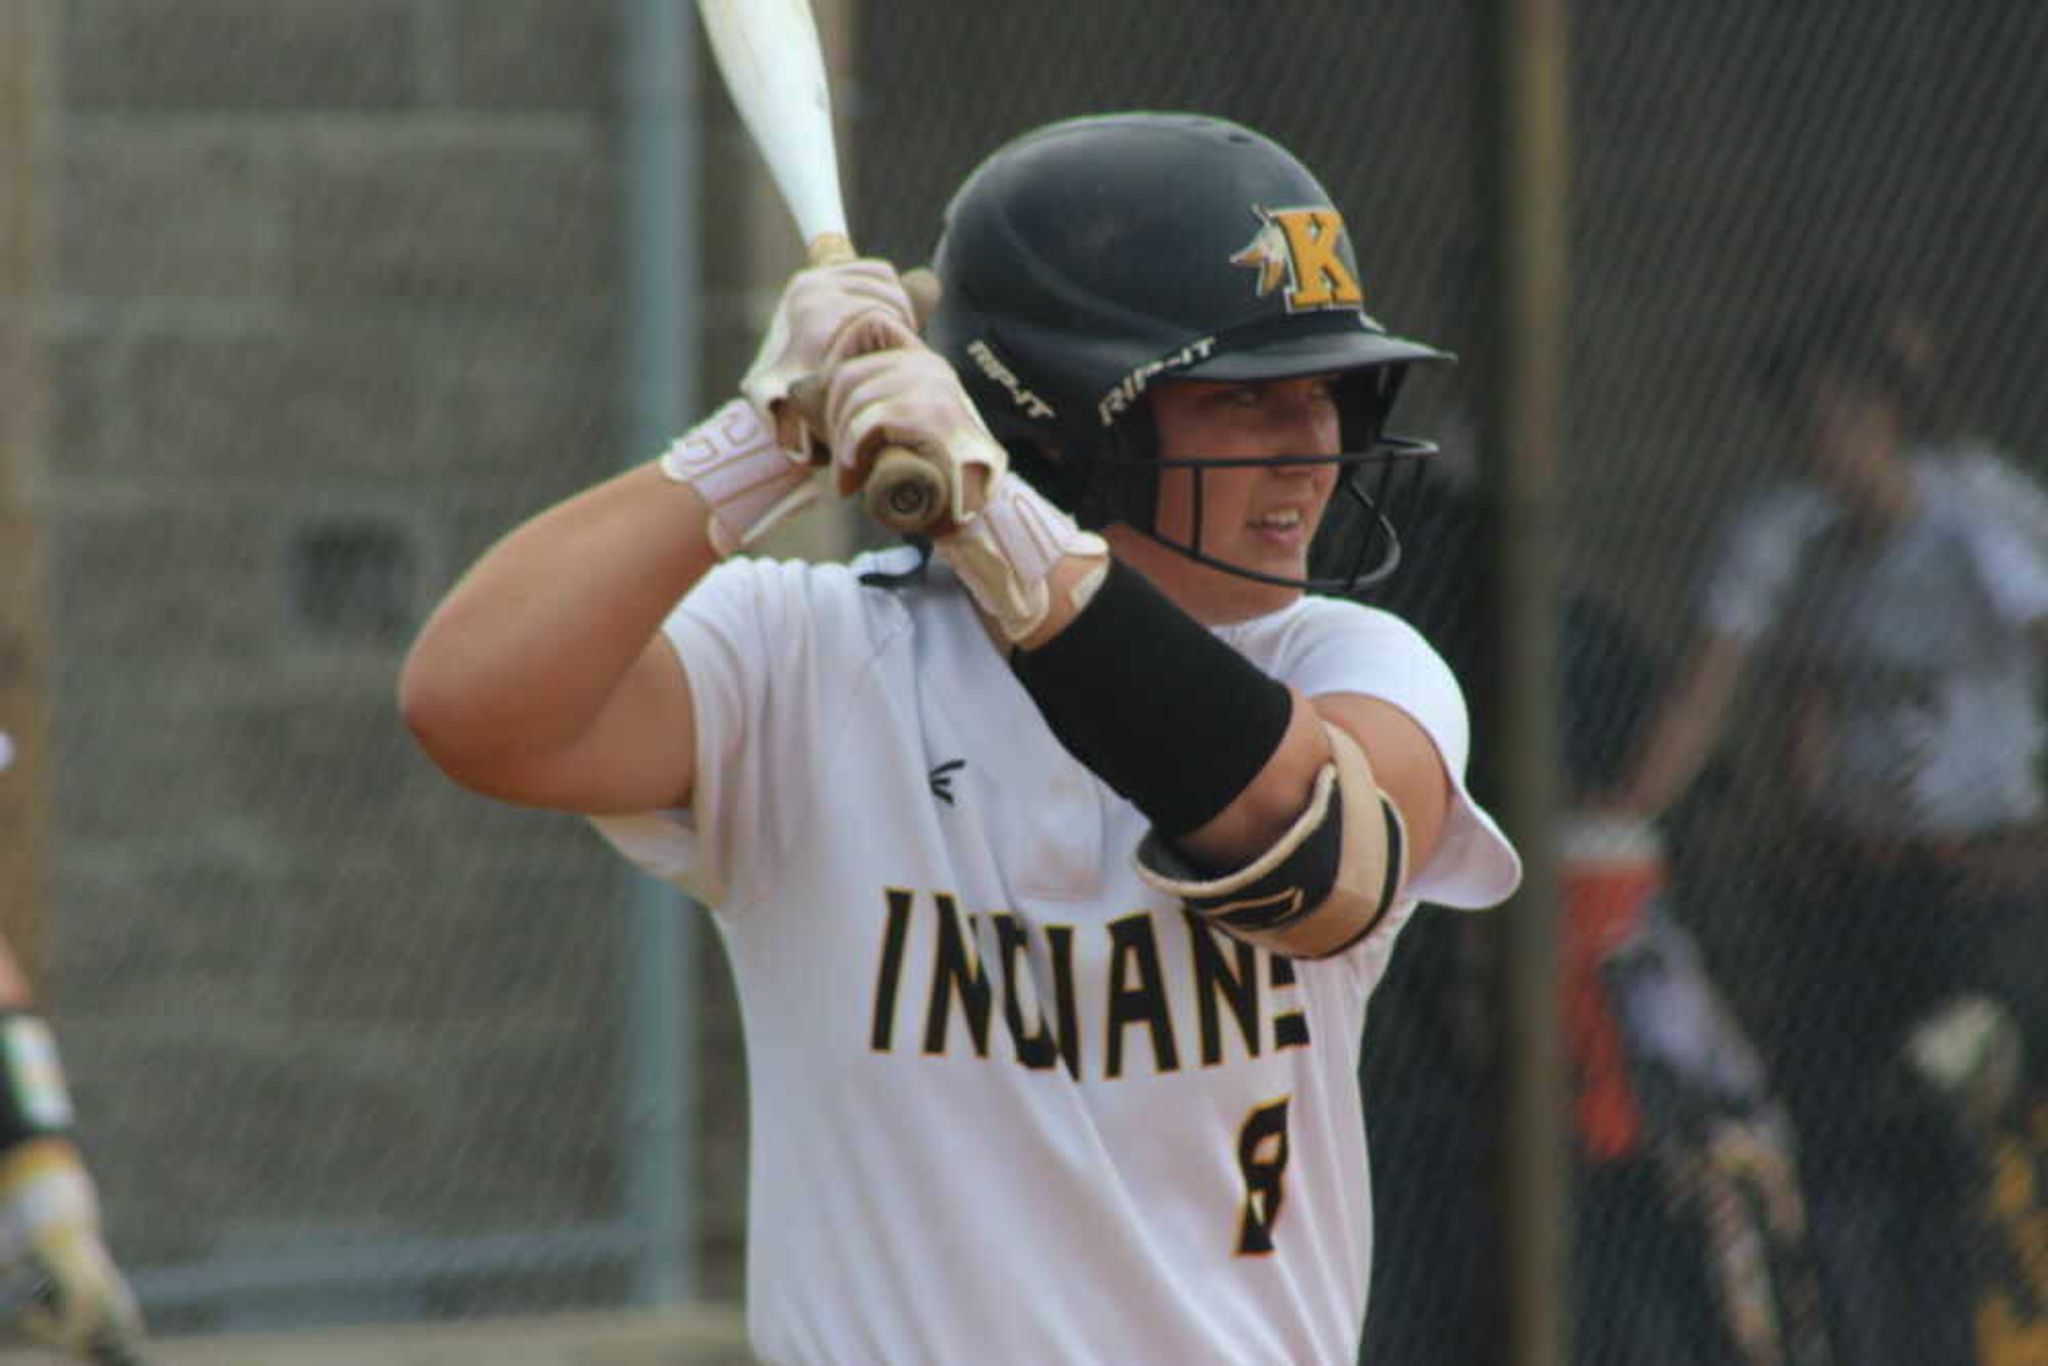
point(768, 52)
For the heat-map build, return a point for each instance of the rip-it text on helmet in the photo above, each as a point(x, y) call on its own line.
point(1126, 390)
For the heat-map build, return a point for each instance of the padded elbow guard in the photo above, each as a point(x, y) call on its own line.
point(1323, 885)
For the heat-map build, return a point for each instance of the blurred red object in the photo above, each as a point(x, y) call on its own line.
point(1613, 867)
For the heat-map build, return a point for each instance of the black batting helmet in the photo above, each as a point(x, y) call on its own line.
point(1093, 257)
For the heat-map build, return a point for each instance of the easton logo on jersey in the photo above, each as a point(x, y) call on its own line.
point(941, 779)
point(1297, 250)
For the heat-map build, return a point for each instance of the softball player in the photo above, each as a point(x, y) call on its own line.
point(49, 1208)
point(1057, 860)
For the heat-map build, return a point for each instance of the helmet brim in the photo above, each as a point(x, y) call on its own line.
point(1313, 354)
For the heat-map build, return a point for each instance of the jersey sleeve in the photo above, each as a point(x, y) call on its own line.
point(757, 640)
point(1351, 649)
point(2014, 571)
point(2005, 519)
point(1756, 563)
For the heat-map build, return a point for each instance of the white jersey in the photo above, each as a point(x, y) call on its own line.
point(1924, 641)
point(1007, 1103)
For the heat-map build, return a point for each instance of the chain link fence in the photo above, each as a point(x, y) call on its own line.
point(335, 298)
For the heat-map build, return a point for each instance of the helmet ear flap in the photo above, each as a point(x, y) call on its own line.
point(1126, 488)
point(1093, 488)
point(1365, 401)
point(1115, 480)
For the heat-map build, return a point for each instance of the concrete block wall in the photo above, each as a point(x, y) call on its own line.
point(334, 299)
point(24, 406)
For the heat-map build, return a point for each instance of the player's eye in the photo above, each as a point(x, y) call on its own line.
point(1276, 397)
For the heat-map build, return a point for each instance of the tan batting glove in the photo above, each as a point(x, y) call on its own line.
point(81, 1304)
point(902, 393)
point(822, 309)
point(1000, 535)
point(752, 460)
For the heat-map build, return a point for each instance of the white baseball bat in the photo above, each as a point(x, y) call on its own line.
point(774, 69)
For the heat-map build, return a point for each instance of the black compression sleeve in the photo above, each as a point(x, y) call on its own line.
point(1154, 704)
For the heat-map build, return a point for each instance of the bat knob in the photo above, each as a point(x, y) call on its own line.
point(906, 502)
point(905, 493)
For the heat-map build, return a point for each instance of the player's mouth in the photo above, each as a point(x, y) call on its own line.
point(1281, 529)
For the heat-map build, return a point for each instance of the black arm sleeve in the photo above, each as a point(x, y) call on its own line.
point(1154, 704)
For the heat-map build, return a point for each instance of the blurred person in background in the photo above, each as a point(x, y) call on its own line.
point(1688, 1243)
point(1894, 599)
point(51, 1246)
point(49, 1208)
point(50, 1240)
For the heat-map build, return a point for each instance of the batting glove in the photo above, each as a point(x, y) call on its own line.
point(849, 308)
point(752, 460)
point(80, 1302)
point(999, 535)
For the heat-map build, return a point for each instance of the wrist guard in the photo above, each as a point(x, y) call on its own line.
point(745, 477)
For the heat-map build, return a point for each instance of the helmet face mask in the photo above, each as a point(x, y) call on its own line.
point(1355, 545)
point(1092, 259)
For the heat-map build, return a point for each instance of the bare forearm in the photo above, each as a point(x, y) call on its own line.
point(1678, 745)
point(1686, 729)
point(537, 636)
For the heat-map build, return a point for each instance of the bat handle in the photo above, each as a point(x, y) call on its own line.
point(830, 249)
point(905, 492)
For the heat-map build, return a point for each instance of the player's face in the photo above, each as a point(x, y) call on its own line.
point(1259, 516)
point(1852, 428)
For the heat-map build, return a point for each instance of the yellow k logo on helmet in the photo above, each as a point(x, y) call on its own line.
point(1298, 248)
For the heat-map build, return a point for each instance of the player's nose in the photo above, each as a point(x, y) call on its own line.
point(1310, 429)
